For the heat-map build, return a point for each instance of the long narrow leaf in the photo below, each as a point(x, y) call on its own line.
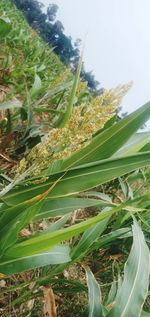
point(112, 139)
point(10, 104)
point(62, 206)
point(145, 314)
point(94, 307)
point(50, 208)
point(51, 239)
point(5, 26)
point(36, 88)
point(81, 178)
point(12, 265)
point(112, 236)
point(72, 95)
point(135, 144)
point(88, 239)
point(132, 293)
point(8, 234)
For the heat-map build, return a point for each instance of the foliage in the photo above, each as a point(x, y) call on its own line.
point(83, 123)
point(31, 79)
point(84, 159)
point(52, 31)
point(130, 294)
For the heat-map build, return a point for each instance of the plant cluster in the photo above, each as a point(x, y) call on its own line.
point(79, 200)
point(52, 31)
point(85, 121)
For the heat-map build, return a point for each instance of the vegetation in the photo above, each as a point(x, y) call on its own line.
point(52, 31)
point(74, 200)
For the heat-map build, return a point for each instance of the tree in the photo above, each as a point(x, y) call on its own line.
point(52, 31)
point(51, 12)
point(32, 10)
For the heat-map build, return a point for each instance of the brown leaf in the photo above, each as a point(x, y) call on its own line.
point(2, 275)
point(49, 307)
point(5, 142)
point(116, 257)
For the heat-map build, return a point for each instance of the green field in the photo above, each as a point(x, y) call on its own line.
point(74, 181)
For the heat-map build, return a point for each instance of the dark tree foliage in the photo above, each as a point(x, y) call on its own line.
point(52, 31)
point(89, 77)
point(51, 12)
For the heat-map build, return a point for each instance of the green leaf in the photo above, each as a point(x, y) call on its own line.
point(9, 233)
point(5, 26)
point(50, 208)
point(85, 243)
point(110, 140)
point(112, 236)
point(12, 265)
point(126, 189)
point(10, 104)
point(72, 95)
point(135, 144)
point(145, 148)
point(87, 239)
point(57, 89)
point(94, 292)
point(62, 206)
point(145, 314)
point(81, 178)
point(36, 88)
point(112, 293)
point(51, 239)
point(10, 213)
point(55, 225)
point(98, 195)
point(132, 293)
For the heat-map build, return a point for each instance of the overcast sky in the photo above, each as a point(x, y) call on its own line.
point(117, 44)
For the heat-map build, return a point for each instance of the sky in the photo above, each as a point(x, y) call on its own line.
point(117, 47)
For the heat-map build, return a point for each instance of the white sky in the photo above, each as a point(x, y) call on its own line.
point(117, 44)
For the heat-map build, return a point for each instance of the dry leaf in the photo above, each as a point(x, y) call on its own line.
point(49, 307)
point(32, 285)
point(2, 283)
point(2, 275)
point(30, 303)
point(25, 276)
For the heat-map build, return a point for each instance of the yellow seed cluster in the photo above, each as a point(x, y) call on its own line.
point(61, 143)
point(23, 165)
point(81, 87)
